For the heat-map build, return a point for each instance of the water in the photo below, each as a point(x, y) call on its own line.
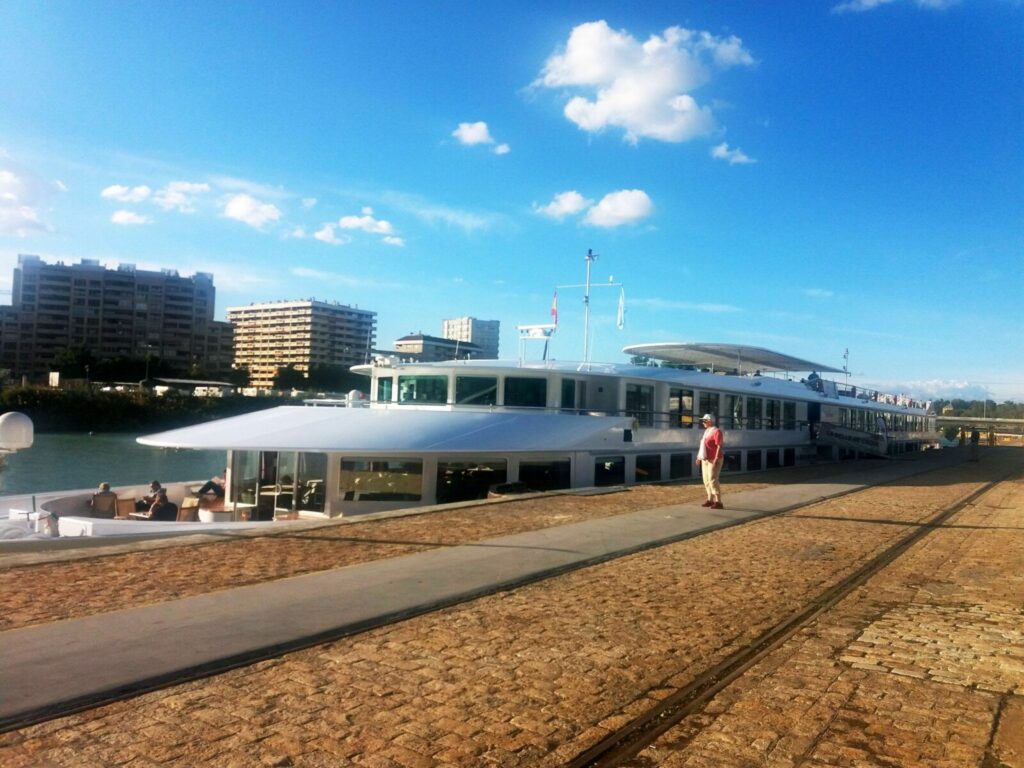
point(73, 461)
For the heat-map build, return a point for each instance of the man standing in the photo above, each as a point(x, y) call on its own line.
point(710, 459)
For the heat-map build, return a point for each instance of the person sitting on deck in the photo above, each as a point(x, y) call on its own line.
point(214, 485)
point(162, 509)
point(146, 502)
point(104, 502)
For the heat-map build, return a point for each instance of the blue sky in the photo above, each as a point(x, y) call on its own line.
point(804, 176)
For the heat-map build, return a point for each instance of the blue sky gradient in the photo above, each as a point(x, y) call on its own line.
point(804, 176)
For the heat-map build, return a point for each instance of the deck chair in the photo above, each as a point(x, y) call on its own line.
point(188, 512)
point(103, 505)
point(125, 506)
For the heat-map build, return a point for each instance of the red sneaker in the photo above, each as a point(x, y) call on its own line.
point(707, 503)
point(717, 505)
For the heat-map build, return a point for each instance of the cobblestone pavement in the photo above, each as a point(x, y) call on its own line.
point(536, 675)
point(922, 666)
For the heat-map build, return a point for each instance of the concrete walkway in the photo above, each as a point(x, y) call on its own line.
point(56, 668)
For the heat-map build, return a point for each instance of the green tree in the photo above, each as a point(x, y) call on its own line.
point(289, 377)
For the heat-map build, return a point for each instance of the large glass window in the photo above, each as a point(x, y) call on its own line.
point(772, 414)
point(733, 416)
point(384, 388)
point(468, 480)
point(244, 476)
point(731, 461)
point(648, 468)
point(476, 390)
point(754, 409)
point(609, 470)
point(520, 391)
point(381, 479)
point(568, 394)
point(546, 475)
point(309, 482)
point(788, 414)
point(680, 408)
point(709, 404)
point(753, 461)
point(640, 403)
point(423, 389)
point(680, 465)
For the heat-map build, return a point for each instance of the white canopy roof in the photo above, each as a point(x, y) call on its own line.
point(397, 430)
point(737, 357)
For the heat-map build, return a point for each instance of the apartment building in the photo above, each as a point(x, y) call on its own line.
point(431, 349)
point(123, 313)
point(482, 333)
point(301, 333)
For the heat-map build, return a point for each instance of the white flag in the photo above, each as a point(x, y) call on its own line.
point(620, 320)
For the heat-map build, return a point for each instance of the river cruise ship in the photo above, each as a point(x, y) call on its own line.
point(436, 433)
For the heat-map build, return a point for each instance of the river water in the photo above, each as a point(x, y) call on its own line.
point(72, 461)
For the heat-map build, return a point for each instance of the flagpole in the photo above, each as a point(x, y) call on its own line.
point(591, 257)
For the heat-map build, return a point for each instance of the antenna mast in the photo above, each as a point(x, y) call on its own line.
point(591, 257)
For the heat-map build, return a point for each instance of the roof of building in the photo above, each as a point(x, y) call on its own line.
point(732, 357)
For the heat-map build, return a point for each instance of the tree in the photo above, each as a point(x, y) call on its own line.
point(73, 361)
point(289, 377)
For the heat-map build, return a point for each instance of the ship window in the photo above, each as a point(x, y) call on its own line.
point(788, 457)
point(680, 408)
point(753, 461)
point(476, 390)
point(773, 413)
point(709, 404)
point(568, 394)
point(381, 479)
point(648, 468)
point(733, 416)
point(788, 414)
point(384, 387)
point(772, 456)
point(640, 403)
point(309, 482)
point(754, 405)
point(468, 480)
point(609, 470)
point(531, 393)
point(545, 475)
point(680, 465)
point(423, 389)
point(244, 476)
point(731, 461)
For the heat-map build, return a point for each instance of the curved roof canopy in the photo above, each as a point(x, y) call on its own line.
point(726, 357)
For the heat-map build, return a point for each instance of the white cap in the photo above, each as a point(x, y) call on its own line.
point(708, 417)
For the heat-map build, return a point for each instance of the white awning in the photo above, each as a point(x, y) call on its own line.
point(727, 357)
point(398, 430)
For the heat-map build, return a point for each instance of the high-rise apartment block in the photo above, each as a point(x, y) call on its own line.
point(302, 333)
point(124, 313)
point(483, 333)
point(431, 349)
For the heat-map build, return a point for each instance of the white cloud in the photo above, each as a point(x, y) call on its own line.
point(126, 194)
point(642, 88)
point(731, 156)
point(933, 389)
point(626, 206)
point(817, 293)
point(392, 240)
point(327, 234)
point(21, 196)
point(298, 233)
point(180, 195)
point(433, 213)
point(564, 204)
point(252, 188)
point(129, 217)
point(251, 211)
point(473, 133)
point(308, 202)
point(366, 223)
point(858, 6)
point(502, 149)
point(667, 305)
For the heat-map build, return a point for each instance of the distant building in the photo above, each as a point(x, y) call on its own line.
point(125, 313)
point(431, 349)
point(483, 333)
point(301, 333)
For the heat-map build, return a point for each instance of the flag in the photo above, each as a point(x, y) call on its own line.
point(554, 309)
point(620, 319)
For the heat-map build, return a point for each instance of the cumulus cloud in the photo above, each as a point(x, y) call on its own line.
point(392, 240)
point(859, 6)
point(367, 223)
point(308, 202)
point(125, 194)
point(327, 234)
point(128, 218)
point(564, 204)
point(641, 87)
point(731, 156)
point(251, 211)
point(21, 196)
point(471, 134)
point(180, 195)
point(626, 206)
